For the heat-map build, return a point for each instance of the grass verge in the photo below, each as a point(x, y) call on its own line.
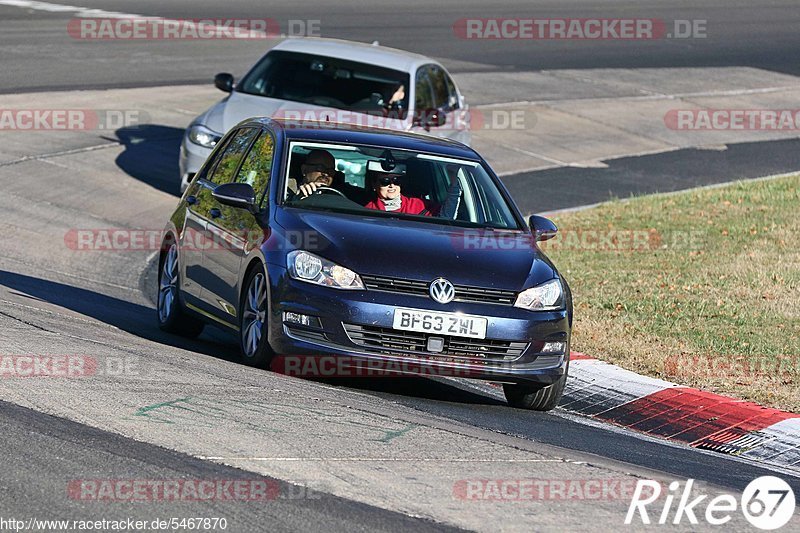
point(700, 287)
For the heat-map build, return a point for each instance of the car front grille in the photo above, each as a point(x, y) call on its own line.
point(464, 293)
point(393, 341)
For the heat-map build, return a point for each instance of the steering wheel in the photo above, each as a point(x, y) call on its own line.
point(322, 189)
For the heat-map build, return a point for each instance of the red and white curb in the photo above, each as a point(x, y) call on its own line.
point(682, 414)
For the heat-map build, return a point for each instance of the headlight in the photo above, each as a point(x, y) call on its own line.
point(305, 266)
point(548, 296)
point(203, 136)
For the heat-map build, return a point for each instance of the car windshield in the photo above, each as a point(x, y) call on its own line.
point(375, 181)
point(328, 82)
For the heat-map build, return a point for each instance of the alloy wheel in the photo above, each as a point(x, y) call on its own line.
point(254, 316)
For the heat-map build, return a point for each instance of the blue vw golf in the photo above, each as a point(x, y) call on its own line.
point(358, 244)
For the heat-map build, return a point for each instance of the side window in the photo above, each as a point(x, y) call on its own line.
point(208, 168)
point(257, 165)
point(441, 94)
point(230, 158)
point(423, 97)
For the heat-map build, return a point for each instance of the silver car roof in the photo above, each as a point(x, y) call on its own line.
point(353, 51)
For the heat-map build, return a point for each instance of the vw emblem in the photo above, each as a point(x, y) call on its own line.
point(442, 291)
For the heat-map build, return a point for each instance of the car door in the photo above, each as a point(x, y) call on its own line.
point(214, 249)
point(232, 228)
point(193, 235)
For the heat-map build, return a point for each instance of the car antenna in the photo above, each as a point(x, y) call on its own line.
point(375, 43)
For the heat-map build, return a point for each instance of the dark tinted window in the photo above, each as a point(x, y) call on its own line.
point(229, 159)
point(423, 98)
point(441, 95)
point(324, 81)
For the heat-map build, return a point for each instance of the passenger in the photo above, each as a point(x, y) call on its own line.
point(387, 185)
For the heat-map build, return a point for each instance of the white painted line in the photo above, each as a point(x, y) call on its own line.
point(62, 8)
point(63, 152)
point(380, 459)
point(87, 12)
point(648, 97)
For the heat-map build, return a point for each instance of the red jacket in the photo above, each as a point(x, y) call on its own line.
point(412, 206)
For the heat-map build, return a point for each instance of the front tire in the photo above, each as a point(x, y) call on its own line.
point(172, 318)
point(536, 397)
point(253, 325)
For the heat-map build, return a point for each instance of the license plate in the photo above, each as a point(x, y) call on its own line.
point(432, 322)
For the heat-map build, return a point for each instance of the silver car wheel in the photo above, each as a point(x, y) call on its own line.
point(168, 284)
point(255, 312)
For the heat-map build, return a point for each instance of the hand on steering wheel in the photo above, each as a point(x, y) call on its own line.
point(307, 189)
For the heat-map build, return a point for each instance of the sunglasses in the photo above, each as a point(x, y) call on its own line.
point(320, 168)
point(385, 181)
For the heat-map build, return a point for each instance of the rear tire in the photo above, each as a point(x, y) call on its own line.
point(171, 315)
point(253, 323)
point(536, 397)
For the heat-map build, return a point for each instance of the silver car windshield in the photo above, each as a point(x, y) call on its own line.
point(395, 183)
point(327, 82)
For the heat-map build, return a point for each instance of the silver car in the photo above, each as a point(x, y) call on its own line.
point(329, 80)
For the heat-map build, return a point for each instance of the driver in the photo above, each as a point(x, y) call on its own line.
point(319, 170)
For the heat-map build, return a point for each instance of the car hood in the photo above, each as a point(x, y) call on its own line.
point(238, 106)
point(423, 251)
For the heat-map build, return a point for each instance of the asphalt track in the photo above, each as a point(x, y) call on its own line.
point(54, 302)
point(38, 54)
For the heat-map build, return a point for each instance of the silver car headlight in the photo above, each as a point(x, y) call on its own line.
point(548, 296)
point(305, 266)
point(202, 136)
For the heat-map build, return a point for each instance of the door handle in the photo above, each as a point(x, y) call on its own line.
point(191, 200)
point(215, 213)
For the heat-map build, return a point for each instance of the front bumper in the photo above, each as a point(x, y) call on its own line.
point(340, 312)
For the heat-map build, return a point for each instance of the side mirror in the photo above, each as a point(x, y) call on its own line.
point(543, 228)
point(430, 118)
point(224, 82)
point(239, 195)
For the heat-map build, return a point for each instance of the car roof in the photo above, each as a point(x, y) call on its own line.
point(337, 132)
point(354, 51)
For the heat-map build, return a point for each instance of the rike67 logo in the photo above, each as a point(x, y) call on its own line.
point(767, 503)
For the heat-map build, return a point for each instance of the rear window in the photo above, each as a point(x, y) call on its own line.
point(326, 81)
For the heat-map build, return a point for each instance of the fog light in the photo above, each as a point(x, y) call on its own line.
point(554, 347)
point(297, 318)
